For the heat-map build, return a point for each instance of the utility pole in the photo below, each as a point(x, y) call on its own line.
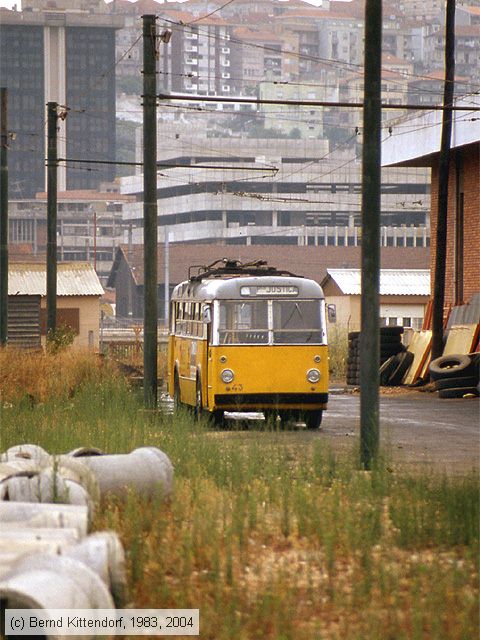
point(150, 322)
point(52, 164)
point(443, 175)
point(3, 219)
point(166, 277)
point(371, 184)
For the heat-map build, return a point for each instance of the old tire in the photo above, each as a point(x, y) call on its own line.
point(458, 392)
point(394, 330)
point(218, 418)
point(404, 360)
point(313, 419)
point(454, 383)
point(452, 366)
point(387, 369)
point(390, 339)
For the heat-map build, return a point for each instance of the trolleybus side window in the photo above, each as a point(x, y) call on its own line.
point(244, 322)
point(188, 319)
point(297, 322)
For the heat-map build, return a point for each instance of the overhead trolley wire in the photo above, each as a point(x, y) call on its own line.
point(307, 103)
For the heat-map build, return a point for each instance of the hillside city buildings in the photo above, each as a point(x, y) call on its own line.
point(235, 174)
point(58, 56)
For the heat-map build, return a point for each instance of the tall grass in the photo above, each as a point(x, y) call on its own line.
point(38, 377)
point(273, 537)
point(337, 352)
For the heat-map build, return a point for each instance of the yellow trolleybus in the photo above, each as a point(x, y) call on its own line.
point(248, 337)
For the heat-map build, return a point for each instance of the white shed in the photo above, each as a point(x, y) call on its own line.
point(404, 294)
point(78, 296)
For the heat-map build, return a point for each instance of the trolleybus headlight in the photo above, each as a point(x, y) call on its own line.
point(313, 375)
point(227, 376)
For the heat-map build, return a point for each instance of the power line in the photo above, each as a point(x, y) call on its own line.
point(291, 83)
point(305, 103)
point(165, 165)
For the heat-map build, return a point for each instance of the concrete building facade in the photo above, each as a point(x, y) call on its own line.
point(271, 191)
point(63, 56)
point(89, 225)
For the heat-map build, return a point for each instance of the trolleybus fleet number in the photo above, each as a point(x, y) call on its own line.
point(270, 290)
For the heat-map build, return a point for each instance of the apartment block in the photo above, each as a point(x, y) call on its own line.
point(63, 56)
point(271, 192)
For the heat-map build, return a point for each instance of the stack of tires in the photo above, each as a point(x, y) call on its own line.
point(456, 376)
point(390, 347)
point(353, 359)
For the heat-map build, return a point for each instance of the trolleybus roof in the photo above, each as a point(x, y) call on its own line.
point(232, 280)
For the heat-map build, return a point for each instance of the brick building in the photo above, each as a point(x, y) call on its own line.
point(127, 275)
point(462, 277)
point(418, 145)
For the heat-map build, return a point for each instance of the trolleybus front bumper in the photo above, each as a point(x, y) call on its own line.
point(259, 401)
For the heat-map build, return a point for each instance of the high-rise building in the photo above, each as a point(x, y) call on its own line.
point(68, 57)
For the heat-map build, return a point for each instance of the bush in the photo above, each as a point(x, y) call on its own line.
point(60, 338)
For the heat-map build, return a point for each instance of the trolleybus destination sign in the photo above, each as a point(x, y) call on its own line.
point(270, 290)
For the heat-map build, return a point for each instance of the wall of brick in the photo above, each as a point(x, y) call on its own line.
point(470, 185)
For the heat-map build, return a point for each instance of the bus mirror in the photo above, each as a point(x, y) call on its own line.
point(332, 312)
point(207, 315)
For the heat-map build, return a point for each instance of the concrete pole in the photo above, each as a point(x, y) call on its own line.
point(443, 175)
point(52, 165)
point(3, 220)
point(371, 183)
point(150, 323)
point(166, 284)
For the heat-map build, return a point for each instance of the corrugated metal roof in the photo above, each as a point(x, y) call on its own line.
point(73, 279)
point(393, 282)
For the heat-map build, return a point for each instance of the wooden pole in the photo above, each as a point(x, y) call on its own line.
point(443, 175)
point(371, 183)
point(3, 220)
point(150, 324)
point(52, 165)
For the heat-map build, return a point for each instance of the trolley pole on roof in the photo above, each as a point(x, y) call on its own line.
point(150, 321)
point(371, 183)
point(3, 220)
point(52, 165)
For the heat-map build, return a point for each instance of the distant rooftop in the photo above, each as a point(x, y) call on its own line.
point(393, 282)
point(73, 279)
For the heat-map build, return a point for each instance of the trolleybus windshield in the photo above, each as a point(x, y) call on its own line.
point(271, 321)
point(244, 322)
